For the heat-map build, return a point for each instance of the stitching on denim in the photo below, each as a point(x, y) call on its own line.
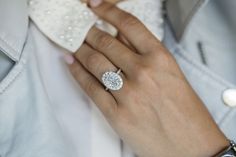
point(10, 46)
point(14, 73)
point(9, 80)
point(226, 116)
point(208, 73)
point(189, 17)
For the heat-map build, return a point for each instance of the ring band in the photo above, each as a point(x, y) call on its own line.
point(112, 80)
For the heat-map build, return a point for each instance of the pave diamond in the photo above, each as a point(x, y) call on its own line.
point(112, 80)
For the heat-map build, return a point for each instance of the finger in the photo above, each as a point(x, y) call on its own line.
point(128, 25)
point(123, 40)
point(111, 1)
point(92, 87)
point(97, 64)
point(114, 50)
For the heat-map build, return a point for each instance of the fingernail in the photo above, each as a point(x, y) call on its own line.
point(95, 3)
point(69, 59)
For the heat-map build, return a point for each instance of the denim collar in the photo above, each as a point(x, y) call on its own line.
point(13, 27)
point(181, 12)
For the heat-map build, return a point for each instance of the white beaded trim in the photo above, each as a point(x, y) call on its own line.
point(67, 22)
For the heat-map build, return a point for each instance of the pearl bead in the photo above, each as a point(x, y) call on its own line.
point(71, 39)
point(67, 17)
point(85, 13)
point(81, 16)
point(31, 2)
point(99, 22)
point(62, 36)
point(48, 12)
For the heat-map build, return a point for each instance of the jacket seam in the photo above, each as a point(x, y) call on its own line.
point(189, 17)
point(11, 80)
point(14, 74)
point(209, 73)
point(11, 48)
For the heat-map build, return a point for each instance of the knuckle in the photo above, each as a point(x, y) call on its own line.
point(125, 118)
point(93, 61)
point(159, 55)
point(157, 50)
point(74, 70)
point(110, 111)
point(164, 59)
point(154, 47)
point(129, 92)
point(104, 41)
point(127, 21)
point(142, 72)
point(90, 89)
point(137, 67)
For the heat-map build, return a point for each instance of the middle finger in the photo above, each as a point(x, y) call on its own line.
point(117, 52)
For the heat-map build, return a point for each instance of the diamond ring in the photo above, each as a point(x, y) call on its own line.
point(112, 80)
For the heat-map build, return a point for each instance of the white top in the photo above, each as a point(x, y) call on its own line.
point(43, 110)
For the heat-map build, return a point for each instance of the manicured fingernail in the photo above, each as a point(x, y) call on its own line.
point(95, 3)
point(69, 59)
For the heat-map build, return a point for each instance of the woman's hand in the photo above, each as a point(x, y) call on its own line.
point(99, 1)
point(156, 112)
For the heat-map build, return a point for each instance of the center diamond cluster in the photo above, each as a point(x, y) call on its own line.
point(112, 80)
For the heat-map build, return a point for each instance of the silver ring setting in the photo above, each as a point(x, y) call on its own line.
point(112, 80)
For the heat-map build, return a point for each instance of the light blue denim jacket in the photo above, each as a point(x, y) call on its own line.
point(204, 44)
point(27, 122)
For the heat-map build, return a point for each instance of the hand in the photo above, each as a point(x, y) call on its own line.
point(99, 1)
point(156, 112)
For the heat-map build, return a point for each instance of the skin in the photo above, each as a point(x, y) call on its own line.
point(156, 112)
point(111, 1)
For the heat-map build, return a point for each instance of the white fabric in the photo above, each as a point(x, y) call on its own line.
point(66, 22)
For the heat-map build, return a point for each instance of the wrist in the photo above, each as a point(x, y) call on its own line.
point(214, 146)
point(229, 151)
point(207, 146)
point(221, 145)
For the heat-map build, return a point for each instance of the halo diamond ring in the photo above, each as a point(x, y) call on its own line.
point(112, 80)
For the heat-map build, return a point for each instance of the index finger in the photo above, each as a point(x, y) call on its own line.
point(134, 31)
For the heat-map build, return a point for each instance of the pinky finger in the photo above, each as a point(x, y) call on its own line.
point(94, 89)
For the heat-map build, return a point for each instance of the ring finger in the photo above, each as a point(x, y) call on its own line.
point(97, 64)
